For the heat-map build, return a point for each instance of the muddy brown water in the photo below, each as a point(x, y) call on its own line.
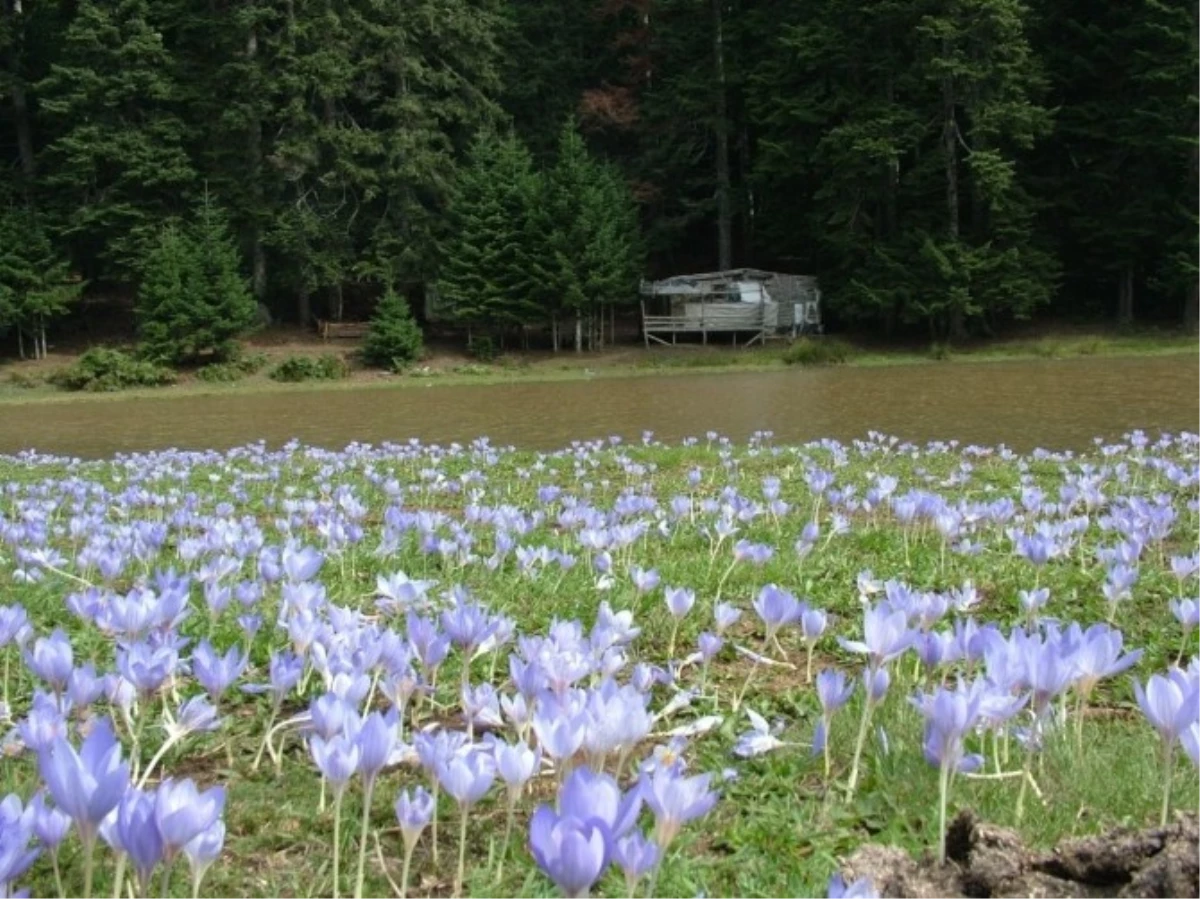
point(1056, 404)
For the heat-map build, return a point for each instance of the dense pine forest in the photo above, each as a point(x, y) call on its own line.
point(945, 167)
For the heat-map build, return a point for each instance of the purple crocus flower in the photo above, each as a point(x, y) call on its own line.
point(597, 799)
point(466, 776)
point(52, 660)
point(679, 600)
point(376, 739)
point(675, 800)
point(182, 813)
point(949, 716)
point(50, 825)
point(859, 889)
point(1187, 613)
point(216, 673)
point(14, 625)
point(1190, 739)
point(203, 850)
point(516, 764)
point(87, 784)
point(414, 811)
point(777, 607)
point(559, 735)
point(572, 853)
point(16, 831)
point(636, 856)
point(1166, 705)
point(726, 616)
point(300, 563)
point(885, 635)
point(644, 579)
point(1099, 656)
point(709, 645)
point(336, 757)
point(138, 835)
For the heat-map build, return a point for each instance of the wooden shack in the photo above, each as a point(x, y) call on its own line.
point(757, 304)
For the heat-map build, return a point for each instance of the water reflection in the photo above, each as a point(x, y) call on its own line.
point(1048, 403)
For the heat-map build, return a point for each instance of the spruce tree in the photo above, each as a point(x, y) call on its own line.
point(486, 272)
point(36, 283)
point(394, 339)
point(117, 168)
point(192, 299)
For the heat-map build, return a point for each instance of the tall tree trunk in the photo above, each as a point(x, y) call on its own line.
point(20, 104)
point(1125, 297)
point(578, 332)
point(258, 254)
point(1192, 298)
point(721, 133)
point(956, 328)
point(303, 306)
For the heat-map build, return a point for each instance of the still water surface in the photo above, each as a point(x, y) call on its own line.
point(1052, 403)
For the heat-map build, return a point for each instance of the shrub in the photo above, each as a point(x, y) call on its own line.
point(482, 348)
point(939, 351)
point(294, 369)
point(104, 370)
point(816, 351)
point(192, 299)
point(221, 373)
point(250, 363)
point(24, 381)
point(394, 340)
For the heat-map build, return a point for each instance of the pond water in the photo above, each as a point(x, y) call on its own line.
point(1055, 404)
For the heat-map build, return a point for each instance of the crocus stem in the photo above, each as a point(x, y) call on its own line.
point(321, 801)
point(1168, 766)
point(57, 875)
point(1024, 785)
point(737, 703)
point(154, 760)
point(197, 879)
point(462, 853)
point(825, 750)
point(671, 642)
point(808, 665)
point(8, 664)
point(859, 743)
point(943, 790)
point(1080, 707)
point(266, 736)
point(337, 838)
point(721, 583)
point(119, 876)
point(362, 843)
point(434, 823)
point(165, 886)
point(408, 854)
point(508, 826)
point(89, 865)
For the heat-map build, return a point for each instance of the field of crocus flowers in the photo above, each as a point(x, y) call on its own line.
point(619, 669)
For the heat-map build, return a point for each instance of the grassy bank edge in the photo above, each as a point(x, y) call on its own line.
point(687, 360)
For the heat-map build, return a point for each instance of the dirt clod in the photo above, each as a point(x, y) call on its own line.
point(985, 860)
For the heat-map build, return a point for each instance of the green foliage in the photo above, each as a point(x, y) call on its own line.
point(102, 370)
point(488, 266)
point(117, 164)
point(24, 380)
point(293, 369)
point(817, 351)
point(482, 348)
point(394, 340)
point(192, 300)
point(36, 285)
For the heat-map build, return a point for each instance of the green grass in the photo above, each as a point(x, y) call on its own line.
point(778, 830)
point(20, 388)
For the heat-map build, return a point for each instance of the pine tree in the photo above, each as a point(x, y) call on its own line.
point(395, 338)
point(117, 169)
point(192, 299)
point(486, 276)
point(36, 284)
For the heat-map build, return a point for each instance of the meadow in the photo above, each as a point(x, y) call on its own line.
point(618, 669)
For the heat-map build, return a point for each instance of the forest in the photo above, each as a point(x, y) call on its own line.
point(945, 167)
